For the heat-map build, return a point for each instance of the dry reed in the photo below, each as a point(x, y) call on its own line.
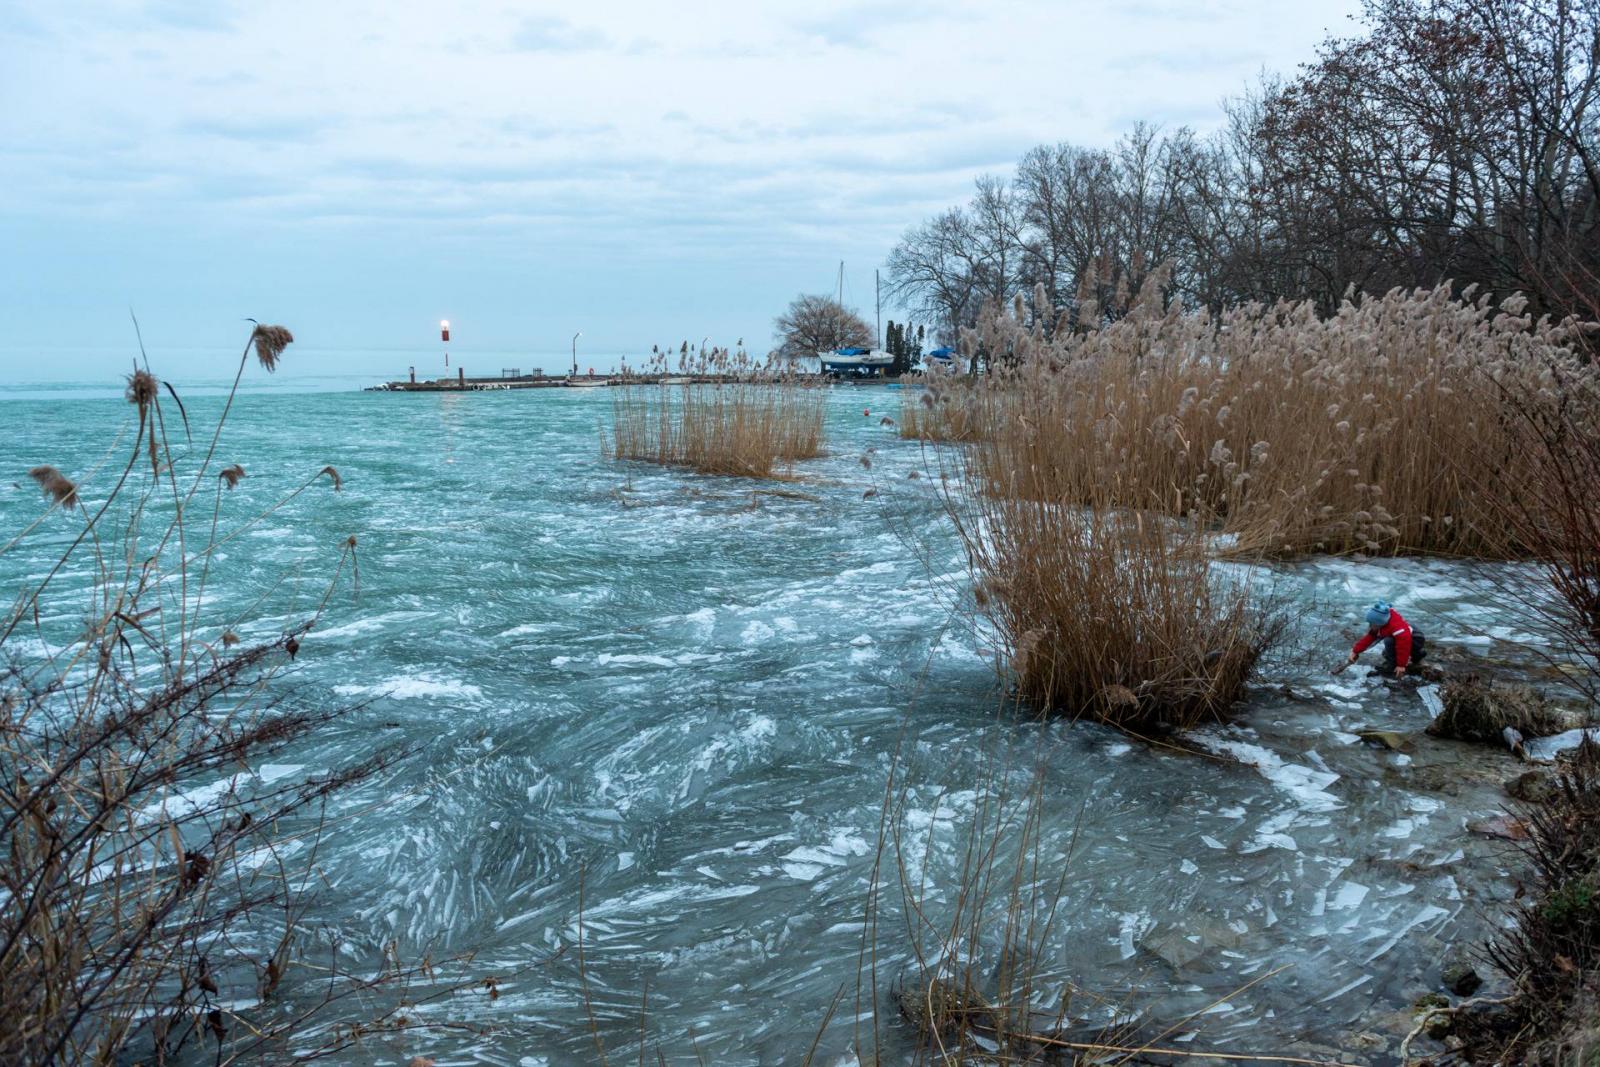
point(1106, 612)
point(1287, 432)
point(747, 420)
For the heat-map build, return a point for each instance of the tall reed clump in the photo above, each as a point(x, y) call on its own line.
point(1288, 432)
point(725, 415)
point(152, 886)
point(1107, 612)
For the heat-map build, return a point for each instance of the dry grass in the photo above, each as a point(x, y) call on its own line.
point(1290, 432)
point(1105, 612)
point(752, 422)
point(1476, 709)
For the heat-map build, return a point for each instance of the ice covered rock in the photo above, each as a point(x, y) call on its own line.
point(1532, 787)
point(1394, 742)
point(1458, 974)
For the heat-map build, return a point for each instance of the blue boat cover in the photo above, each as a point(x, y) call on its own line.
point(851, 351)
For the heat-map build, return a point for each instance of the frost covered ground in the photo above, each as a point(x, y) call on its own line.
point(686, 696)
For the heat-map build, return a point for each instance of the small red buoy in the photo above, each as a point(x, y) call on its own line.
point(865, 413)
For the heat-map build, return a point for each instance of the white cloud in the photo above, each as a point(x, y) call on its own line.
point(711, 129)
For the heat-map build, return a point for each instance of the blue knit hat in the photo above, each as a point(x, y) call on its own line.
point(1378, 614)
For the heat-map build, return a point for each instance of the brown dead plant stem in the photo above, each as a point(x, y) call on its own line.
point(153, 887)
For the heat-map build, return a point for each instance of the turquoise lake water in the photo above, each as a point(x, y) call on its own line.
point(687, 696)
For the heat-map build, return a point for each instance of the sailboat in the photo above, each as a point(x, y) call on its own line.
point(856, 362)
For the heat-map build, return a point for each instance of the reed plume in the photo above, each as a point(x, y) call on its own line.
point(1282, 431)
point(56, 485)
point(141, 389)
point(270, 341)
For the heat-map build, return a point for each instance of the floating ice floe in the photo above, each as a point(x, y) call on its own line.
point(1431, 700)
point(1545, 748)
point(808, 862)
point(1307, 786)
point(186, 802)
point(418, 687)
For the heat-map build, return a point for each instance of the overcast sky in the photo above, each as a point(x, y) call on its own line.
point(638, 171)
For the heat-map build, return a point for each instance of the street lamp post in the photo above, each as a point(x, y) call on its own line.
point(575, 352)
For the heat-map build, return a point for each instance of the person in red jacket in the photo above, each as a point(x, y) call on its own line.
point(1403, 647)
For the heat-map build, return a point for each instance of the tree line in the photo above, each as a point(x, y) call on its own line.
point(1447, 141)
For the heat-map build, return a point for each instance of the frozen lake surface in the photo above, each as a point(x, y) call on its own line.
point(687, 695)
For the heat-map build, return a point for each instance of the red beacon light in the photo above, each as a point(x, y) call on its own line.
point(444, 330)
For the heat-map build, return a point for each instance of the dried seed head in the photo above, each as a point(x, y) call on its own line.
point(338, 482)
point(270, 343)
point(231, 475)
point(866, 461)
point(229, 639)
point(55, 485)
point(1119, 696)
point(141, 389)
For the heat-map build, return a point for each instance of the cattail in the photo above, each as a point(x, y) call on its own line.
point(231, 475)
point(338, 483)
point(141, 389)
point(55, 485)
point(270, 342)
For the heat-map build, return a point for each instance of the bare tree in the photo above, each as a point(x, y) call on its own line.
point(1450, 140)
point(813, 324)
point(935, 271)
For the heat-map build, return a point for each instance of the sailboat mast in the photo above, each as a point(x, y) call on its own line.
point(841, 283)
point(877, 297)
